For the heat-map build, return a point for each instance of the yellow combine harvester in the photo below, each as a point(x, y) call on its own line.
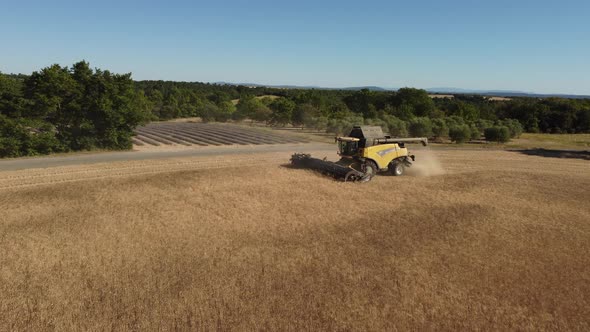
point(364, 152)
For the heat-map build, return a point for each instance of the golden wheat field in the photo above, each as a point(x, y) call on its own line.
point(488, 240)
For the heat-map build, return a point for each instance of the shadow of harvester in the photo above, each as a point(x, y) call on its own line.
point(571, 154)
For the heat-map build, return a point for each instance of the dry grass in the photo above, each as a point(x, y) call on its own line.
point(236, 101)
point(499, 99)
point(437, 96)
point(499, 241)
point(528, 141)
point(552, 141)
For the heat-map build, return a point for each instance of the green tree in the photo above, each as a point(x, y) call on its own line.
point(317, 123)
point(420, 127)
point(11, 101)
point(224, 111)
point(261, 114)
point(282, 111)
point(208, 111)
point(482, 124)
point(51, 92)
point(463, 110)
point(303, 113)
point(378, 122)
point(363, 102)
point(416, 99)
point(460, 134)
point(440, 128)
point(396, 126)
point(513, 126)
point(498, 134)
point(475, 132)
point(583, 121)
point(89, 109)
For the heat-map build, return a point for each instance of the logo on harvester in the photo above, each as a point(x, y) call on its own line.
point(384, 152)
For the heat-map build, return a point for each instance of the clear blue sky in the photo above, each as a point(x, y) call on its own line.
point(535, 46)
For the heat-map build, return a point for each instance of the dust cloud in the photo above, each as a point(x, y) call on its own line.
point(426, 164)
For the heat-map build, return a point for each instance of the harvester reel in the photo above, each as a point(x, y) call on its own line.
point(337, 171)
point(352, 176)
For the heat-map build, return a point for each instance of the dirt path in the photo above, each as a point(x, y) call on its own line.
point(29, 172)
point(155, 154)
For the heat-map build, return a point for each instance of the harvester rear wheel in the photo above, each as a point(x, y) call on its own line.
point(397, 168)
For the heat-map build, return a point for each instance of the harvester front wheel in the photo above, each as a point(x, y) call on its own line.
point(397, 168)
point(370, 168)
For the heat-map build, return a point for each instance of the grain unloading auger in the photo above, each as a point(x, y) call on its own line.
point(365, 152)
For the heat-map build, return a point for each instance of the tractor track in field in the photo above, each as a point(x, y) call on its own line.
point(493, 162)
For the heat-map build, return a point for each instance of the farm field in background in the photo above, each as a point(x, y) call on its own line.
point(206, 134)
point(469, 239)
point(192, 132)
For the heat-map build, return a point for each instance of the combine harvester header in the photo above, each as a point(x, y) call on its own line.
point(365, 152)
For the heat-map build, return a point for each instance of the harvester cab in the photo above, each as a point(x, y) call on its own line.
point(364, 152)
point(348, 146)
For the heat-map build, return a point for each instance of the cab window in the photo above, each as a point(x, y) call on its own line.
point(348, 148)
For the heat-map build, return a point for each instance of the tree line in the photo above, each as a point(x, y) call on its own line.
point(60, 109)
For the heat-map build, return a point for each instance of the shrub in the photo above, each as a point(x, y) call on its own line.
point(460, 134)
point(282, 110)
point(498, 134)
point(420, 127)
point(482, 124)
point(336, 126)
point(261, 114)
point(317, 123)
point(344, 125)
point(454, 121)
point(439, 128)
point(378, 122)
point(513, 126)
point(302, 114)
point(224, 111)
point(9, 147)
point(396, 126)
point(475, 132)
point(208, 111)
point(45, 143)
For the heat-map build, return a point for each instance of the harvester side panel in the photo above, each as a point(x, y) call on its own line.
point(384, 154)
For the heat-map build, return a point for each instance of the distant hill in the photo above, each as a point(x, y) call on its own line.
point(471, 91)
point(443, 90)
point(504, 93)
point(372, 88)
point(495, 93)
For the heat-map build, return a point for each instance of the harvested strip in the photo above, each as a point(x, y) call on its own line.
point(230, 137)
point(258, 138)
point(213, 138)
point(185, 136)
point(155, 137)
point(204, 138)
point(147, 140)
point(261, 133)
point(171, 137)
point(137, 142)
